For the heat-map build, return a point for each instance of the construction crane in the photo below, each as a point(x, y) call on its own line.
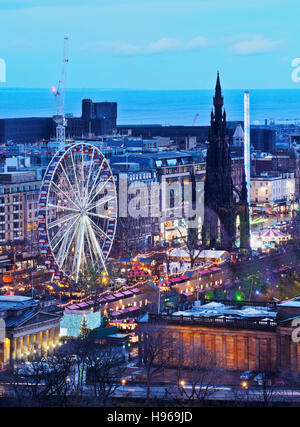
point(195, 119)
point(60, 93)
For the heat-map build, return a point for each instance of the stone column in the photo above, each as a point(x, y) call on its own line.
point(51, 339)
point(56, 336)
point(25, 346)
point(44, 343)
point(18, 348)
point(12, 350)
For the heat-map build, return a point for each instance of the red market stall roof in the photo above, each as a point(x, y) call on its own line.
point(72, 307)
point(118, 295)
point(203, 272)
point(215, 269)
point(132, 308)
point(125, 310)
point(82, 304)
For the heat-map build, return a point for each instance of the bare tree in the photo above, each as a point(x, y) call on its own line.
point(192, 243)
point(78, 349)
point(105, 369)
point(201, 370)
point(154, 352)
point(41, 378)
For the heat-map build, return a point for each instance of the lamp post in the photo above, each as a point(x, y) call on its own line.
point(123, 382)
point(181, 384)
point(158, 304)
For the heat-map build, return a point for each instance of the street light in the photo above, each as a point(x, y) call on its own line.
point(182, 384)
point(244, 384)
point(123, 382)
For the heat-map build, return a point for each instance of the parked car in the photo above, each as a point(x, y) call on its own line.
point(262, 379)
point(278, 382)
point(258, 377)
point(246, 375)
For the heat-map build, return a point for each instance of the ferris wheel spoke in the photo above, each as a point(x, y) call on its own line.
point(100, 189)
point(90, 248)
point(64, 249)
point(89, 175)
point(65, 173)
point(100, 202)
point(66, 208)
point(65, 194)
point(97, 176)
point(61, 220)
point(96, 246)
point(99, 230)
point(102, 216)
point(64, 234)
point(75, 174)
point(78, 249)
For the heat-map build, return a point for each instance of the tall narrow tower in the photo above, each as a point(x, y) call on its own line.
point(247, 160)
point(218, 225)
point(245, 231)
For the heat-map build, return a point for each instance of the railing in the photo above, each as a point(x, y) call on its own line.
point(214, 322)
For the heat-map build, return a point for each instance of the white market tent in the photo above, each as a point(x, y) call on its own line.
point(272, 235)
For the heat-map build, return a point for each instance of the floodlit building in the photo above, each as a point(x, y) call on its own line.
point(30, 325)
point(271, 190)
point(238, 337)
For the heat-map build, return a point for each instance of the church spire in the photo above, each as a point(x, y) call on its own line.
point(218, 98)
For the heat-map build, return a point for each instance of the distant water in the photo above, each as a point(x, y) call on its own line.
point(168, 107)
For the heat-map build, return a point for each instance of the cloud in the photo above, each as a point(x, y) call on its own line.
point(115, 47)
point(197, 43)
point(255, 46)
point(164, 45)
point(159, 46)
point(17, 45)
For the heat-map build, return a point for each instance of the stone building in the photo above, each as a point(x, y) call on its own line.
point(30, 325)
point(19, 195)
point(239, 338)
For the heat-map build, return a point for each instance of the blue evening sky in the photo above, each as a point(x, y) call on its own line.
point(151, 44)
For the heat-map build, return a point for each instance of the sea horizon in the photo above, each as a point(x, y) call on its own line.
point(158, 106)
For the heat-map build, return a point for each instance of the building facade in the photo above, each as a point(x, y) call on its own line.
point(274, 191)
point(30, 326)
point(234, 342)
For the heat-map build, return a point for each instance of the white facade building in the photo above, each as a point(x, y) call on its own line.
point(268, 189)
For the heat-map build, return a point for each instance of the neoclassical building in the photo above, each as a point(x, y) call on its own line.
point(237, 337)
point(27, 325)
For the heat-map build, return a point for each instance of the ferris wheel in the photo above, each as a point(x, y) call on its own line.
point(77, 212)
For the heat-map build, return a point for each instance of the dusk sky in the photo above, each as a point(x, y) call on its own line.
point(151, 44)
